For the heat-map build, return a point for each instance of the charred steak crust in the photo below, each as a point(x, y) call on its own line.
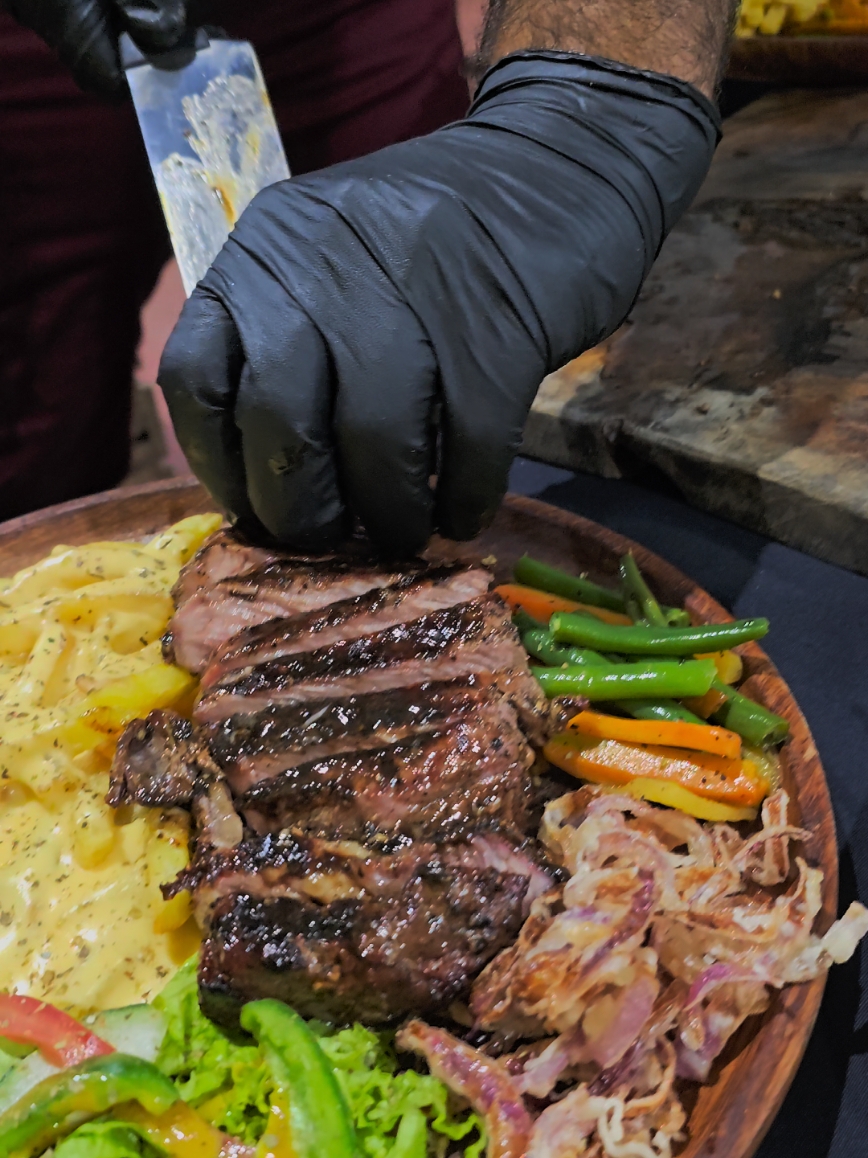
point(420, 639)
point(426, 785)
point(372, 959)
point(154, 762)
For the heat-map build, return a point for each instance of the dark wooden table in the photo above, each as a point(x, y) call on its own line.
point(740, 381)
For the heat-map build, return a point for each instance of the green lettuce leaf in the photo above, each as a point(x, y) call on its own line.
point(225, 1080)
point(397, 1114)
point(389, 1107)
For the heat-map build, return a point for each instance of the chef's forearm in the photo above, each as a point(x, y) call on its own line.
point(683, 38)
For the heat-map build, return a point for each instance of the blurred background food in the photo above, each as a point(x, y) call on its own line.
point(802, 17)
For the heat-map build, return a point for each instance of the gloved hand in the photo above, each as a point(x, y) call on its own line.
point(84, 33)
point(357, 313)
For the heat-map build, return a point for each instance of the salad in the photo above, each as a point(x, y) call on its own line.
point(161, 1079)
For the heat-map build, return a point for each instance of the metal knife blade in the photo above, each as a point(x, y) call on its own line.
point(210, 136)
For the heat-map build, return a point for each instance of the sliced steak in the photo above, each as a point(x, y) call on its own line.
point(279, 591)
point(472, 776)
point(411, 596)
point(154, 763)
point(451, 644)
point(223, 556)
point(395, 935)
point(253, 747)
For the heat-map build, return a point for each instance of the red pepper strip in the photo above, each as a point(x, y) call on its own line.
point(60, 1039)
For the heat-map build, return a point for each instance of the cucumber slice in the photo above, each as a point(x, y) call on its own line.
point(22, 1077)
point(135, 1029)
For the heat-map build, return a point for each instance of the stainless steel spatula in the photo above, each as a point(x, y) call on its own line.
point(211, 139)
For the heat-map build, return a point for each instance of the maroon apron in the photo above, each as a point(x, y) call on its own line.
point(81, 235)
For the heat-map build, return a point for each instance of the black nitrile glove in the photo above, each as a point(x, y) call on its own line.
point(84, 33)
point(458, 269)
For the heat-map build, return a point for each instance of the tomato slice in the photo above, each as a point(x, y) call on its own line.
point(60, 1039)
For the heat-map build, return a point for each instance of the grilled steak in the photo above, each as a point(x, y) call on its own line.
point(345, 937)
point(253, 747)
point(359, 777)
point(454, 643)
point(454, 781)
point(154, 762)
point(279, 590)
point(411, 596)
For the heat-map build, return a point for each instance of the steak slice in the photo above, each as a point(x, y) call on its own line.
point(411, 596)
point(222, 556)
point(454, 643)
point(471, 776)
point(279, 590)
point(253, 747)
point(154, 762)
point(346, 938)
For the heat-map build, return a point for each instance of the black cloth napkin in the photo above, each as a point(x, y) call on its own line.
point(819, 642)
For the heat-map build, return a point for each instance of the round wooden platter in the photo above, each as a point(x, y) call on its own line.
point(731, 1114)
point(811, 61)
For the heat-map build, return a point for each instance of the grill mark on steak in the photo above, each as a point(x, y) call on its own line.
point(398, 934)
point(471, 776)
point(252, 747)
point(411, 596)
point(222, 556)
point(472, 639)
point(213, 615)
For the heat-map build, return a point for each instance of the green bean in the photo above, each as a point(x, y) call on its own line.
point(586, 631)
point(533, 573)
point(657, 710)
point(629, 681)
point(524, 622)
point(638, 593)
point(541, 645)
point(749, 719)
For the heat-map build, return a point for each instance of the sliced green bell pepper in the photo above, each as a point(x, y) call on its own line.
point(65, 1100)
point(318, 1117)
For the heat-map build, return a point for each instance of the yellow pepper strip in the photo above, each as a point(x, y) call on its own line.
point(674, 796)
point(180, 1131)
point(730, 666)
point(735, 782)
point(276, 1139)
point(542, 606)
point(674, 733)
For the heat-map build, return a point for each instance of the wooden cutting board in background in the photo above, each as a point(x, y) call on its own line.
point(741, 377)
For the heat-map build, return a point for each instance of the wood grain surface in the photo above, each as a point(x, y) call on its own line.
point(732, 1113)
point(740, 379)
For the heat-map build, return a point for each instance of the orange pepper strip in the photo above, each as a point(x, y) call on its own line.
point(543, 606)
point(706, 705)
point(611, 762)
point(675, 733)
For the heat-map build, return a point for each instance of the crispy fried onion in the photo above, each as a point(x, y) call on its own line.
point(666, 937)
